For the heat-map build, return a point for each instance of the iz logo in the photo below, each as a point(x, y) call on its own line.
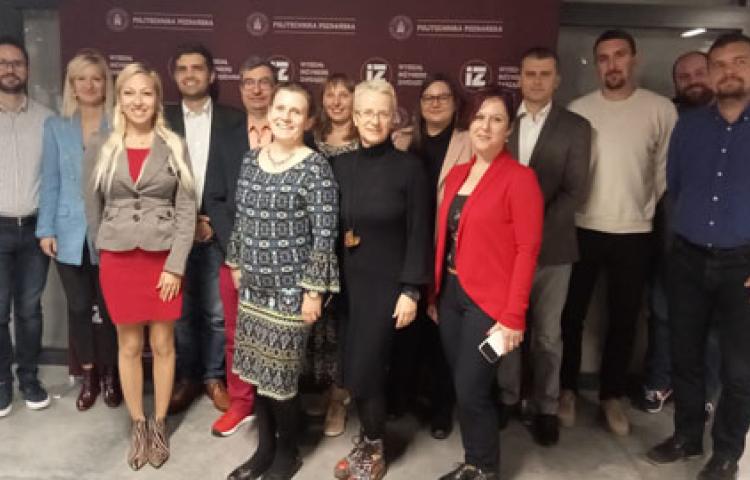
point(282, 70)
point(475, 76)
point(376, 71)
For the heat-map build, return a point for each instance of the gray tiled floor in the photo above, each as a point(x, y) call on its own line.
point(62, 444)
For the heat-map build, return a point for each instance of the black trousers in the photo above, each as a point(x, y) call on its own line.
point(463, 326)
point(702, 287)
point(92, 343)
point(624, 259)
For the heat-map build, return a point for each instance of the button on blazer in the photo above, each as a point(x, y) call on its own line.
point(155, 213)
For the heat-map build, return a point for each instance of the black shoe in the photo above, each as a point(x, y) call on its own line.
point(546, 430)
point(464, 471)
point(283, 468)
point(719, 468)
point(673, 449)
point(251, 469)
point(35, 395)
point(441, 426)
point(504, 412)
point(6, 398)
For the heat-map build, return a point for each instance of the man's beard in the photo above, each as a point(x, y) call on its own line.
point(695, 95)
point(614, 82)
point(735, 92)
point(17, 88)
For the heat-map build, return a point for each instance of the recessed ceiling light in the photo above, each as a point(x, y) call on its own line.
point(693, 33)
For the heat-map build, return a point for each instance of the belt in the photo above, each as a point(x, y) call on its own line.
point(714, 252)
point(17, 221)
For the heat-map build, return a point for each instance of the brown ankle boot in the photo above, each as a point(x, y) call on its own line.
point(335, 422)
point(89, 390)
point(137, 456)
point(158, 442)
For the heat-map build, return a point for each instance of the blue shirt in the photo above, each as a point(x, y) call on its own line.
point(708, 178)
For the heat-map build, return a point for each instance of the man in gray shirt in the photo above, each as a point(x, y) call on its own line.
point(23, 266)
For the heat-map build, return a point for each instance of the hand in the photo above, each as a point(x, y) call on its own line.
point(48, 246)
point(512, 338)
point(311, 308)
point(236, 278)
point(432, 312)
point(168, 286)
point(203, 230)
point(405, 311)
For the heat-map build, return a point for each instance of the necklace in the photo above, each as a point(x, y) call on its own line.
point(278, 163)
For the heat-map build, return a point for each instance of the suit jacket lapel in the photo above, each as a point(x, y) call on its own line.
point(549, 126)
point(488, 179)
point(154, 161)
point(513, 138)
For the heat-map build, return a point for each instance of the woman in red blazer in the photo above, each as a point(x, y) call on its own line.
point(489, 232)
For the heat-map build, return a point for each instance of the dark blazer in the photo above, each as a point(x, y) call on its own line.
point(222, 118)
point(156, 213)
point(221, 181)
point(561, 159)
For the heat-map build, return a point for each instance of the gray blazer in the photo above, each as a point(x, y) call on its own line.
point(155, 213)
point(561, 159)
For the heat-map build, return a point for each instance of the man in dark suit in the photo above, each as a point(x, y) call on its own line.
point(556, 143)
point(199, 333)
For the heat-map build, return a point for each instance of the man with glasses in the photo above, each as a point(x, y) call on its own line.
point(556, 143)
point(199, 333)
point(23, 266)
point(257, 80)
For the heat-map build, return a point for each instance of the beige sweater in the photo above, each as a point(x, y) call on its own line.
point(628, 160)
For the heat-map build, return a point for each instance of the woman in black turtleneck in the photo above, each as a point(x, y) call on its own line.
point(385, 225)
point(436, 139)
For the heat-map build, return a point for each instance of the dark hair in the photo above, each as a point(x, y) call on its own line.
point(323, 125)
point(254, 62)
point(476, 100)
point(14, 42)
point(541, 53)
point(683, 57)
point(297, 88)
point(194, 48)
point(202, 50)
point(418, 120)
point(616, 34)
point(726, 39)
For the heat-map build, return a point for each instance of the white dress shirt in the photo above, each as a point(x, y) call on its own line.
point(529, 128)
point(21, 134)
point(198, 139)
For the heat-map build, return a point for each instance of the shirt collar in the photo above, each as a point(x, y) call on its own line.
point(744, 116)
point(258, 125)
point(541, 114)
point(22, 108)
point(205, 109)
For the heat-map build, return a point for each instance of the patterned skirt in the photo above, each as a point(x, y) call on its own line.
point(270, 350)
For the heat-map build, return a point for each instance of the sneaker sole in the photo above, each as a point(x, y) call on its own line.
point(218, 433)
point(5, 411)
point(38, 405)
point(686, 458)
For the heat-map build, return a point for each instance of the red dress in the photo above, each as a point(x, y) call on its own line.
point(128, 279)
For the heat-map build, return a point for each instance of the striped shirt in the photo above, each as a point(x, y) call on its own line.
point(21, 157)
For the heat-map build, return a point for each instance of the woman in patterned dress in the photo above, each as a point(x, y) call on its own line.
point(282, 257)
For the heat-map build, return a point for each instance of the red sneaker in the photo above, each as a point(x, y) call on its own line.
point(228, 423)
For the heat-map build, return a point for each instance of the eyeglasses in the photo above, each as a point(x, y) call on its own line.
point(250, 83)
point(368, 115)
point(14, 64)
point(442, 98)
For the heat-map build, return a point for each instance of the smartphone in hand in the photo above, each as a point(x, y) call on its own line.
point(493, 347)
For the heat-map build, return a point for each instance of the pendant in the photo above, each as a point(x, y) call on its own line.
point(350, 239)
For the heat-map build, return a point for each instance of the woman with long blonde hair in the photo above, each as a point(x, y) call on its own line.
point(61, 225)
point(141, 211)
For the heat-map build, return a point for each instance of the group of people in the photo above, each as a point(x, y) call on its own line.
point(285, 249)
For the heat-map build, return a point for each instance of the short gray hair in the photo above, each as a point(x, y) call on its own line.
point(254, 62)
point(376, 86)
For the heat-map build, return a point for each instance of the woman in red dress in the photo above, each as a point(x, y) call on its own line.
point(141, 212)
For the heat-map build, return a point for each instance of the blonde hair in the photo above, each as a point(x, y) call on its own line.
point(85, 58)
point(377, 86)
point(115, 144)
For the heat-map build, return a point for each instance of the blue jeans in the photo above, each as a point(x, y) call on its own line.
point(658, 361)
point(23, 274)
point(199, 333)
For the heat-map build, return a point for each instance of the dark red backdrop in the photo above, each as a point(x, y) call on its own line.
point(478, 42)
